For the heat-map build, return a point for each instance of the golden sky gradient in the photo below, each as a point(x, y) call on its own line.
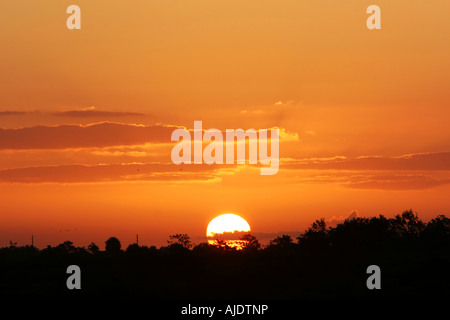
point(86, 115)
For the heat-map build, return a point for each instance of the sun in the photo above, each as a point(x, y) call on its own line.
point(228, 228)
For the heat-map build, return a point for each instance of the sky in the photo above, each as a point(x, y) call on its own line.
point(86, 115)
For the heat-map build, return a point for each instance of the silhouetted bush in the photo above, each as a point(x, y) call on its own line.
point(180, 240)
point(113, 245)
point(93, 248)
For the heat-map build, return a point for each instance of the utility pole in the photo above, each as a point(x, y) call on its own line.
point(32, 241)
point(137, 239)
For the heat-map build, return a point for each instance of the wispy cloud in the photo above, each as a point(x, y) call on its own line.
point(113, 173)
point(101, 134)
point(375, 180)
point(407, 172)
point(333, 221)
point(13, 113)
point(419, 161)
point(284, 103)
point(95, 135)
point(96, 114)
point(90, 112)
point(398, 182)
point(311, 133)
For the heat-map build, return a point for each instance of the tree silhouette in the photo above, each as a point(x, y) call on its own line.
point(113, 245)
point(283, 242)
point(180, 239)
point(282, 246)
point(437, 232)
point(250, 243)
point(221, 244)
point(361, 233)
point(93, 248)
point(316, 236)
point(66, 247)
point(407, 225)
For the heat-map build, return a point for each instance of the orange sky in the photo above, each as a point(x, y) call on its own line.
point(86, 115)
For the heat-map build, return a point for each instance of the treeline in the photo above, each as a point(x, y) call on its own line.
point(405, 229)
point(322, 262)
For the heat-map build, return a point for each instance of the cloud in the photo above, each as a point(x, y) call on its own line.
point(333, 221)
point(398, 182)
point(406, 172)
point(103, 134)
point(379, 180)
point(95, 114)
point(286, 103)
point(419, 161)
point(228, 235)
point(280, 114)
point(96, 135)
point(286, 136)
point(113, 172)
point(265, 237)
point(311, 133)
point(306, 161)
point(13, 113)
point(107, 153)
point(80, 113)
